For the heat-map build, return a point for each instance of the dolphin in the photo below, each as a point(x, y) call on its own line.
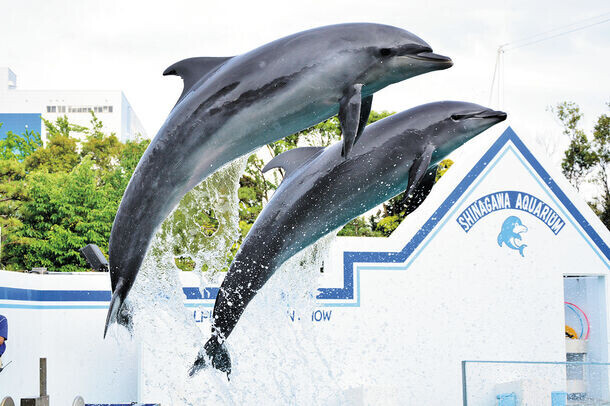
point(232, 105)
point(510, 234)
point(322, 191)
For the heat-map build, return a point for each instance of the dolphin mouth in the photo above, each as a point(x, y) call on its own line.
point(497, 114)
point(428, 56)
point(485, 114)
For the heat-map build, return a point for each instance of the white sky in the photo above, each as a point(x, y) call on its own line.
point(126, 45)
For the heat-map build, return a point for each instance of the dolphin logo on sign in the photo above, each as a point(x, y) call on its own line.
point(510, 234)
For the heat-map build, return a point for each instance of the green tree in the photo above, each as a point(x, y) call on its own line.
point(104, 149)
point(60, 152)
point(117, 176)
point(601, 146)
point(14, 148)
point(360, 227)
point(12, 196)
point(586, 160)
point(64, 212)
point(579, 159)
point(19, 146)
point(59, 199)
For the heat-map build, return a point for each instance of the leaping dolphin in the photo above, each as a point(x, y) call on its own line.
point(322, 191)
point(231, 106)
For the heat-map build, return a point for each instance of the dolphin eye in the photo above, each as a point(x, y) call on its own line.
point(385, 51)
point(458, 117)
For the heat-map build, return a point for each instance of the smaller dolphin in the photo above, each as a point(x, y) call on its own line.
point(511, 233)
point(322, 191)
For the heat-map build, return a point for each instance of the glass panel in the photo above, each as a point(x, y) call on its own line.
point(535, 383)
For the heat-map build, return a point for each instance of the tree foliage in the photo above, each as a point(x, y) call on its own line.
point(18, 147)
point(60, 153)
point(580, 158)
point(587, 160)
point(56, 198)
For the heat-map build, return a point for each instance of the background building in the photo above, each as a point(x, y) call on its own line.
point(22, 109)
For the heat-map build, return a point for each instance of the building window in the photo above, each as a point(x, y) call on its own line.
point(79, 109)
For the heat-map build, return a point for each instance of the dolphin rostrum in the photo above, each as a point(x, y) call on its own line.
point(322, 191)
point(231, 106)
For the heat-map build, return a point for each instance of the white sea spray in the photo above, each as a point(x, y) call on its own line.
point(276, 358)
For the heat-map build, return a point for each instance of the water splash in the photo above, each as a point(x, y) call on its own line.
point(276, 358)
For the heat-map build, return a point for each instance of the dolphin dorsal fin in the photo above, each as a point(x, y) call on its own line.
point(292, 159)
point(193, 69)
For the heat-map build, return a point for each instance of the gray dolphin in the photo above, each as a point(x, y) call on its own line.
point(230, 106)
point(322, 191)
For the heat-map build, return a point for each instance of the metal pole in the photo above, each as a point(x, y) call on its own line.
point(464, 395)
point(43, 377)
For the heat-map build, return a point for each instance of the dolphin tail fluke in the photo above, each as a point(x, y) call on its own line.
point(521, 247)
point(213, 352)
point(119, 312)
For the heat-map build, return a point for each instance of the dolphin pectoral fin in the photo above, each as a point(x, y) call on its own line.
point(421, 191)
point(365, 112)
point(214, 352)
point(292, 159)
point(419, 169)
point(349, 116)
point(193, 69)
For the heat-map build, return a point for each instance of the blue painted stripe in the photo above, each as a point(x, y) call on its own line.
point(50, 307)
point(121, 404)
point(34, 295)
point(54, 295)
point(536, 362)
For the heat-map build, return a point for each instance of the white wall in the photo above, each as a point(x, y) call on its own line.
point(79, 361)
